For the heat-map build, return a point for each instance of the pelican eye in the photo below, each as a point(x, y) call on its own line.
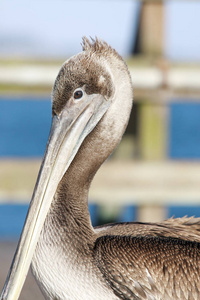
point(78, 94)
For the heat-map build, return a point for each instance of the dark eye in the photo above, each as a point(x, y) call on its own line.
point(78, 94)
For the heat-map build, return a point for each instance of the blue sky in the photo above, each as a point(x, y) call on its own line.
point(52, 28)
point(56, 27)
point(182, 30)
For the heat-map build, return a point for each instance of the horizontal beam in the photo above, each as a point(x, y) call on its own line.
point(117, 183)
point(148, 182)
point(143, 77)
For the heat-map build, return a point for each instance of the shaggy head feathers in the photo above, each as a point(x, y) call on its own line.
point(99, 47)
point(87, 70)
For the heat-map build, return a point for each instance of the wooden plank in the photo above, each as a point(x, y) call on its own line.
point(116, 183)
point(155, 183)
point(145, 76)
point(17, 179)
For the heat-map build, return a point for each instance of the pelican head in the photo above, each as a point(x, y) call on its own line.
point(91, 103)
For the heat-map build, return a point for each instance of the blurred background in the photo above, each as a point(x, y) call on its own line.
point(155, 172)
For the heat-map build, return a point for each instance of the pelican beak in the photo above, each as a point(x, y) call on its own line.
point(68, 130)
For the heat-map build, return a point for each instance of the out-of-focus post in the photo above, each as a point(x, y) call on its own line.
point(151, 28)
point(151, 213)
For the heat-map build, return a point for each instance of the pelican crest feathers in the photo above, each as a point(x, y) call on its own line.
point(98, 46)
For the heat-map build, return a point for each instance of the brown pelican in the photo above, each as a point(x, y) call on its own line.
point(91, 102)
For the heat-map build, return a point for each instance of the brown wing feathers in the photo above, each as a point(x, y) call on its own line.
point(149, 267)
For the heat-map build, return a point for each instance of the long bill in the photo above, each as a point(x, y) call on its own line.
point(68, 130)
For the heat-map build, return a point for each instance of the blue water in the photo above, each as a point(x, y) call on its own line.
point(24, 126)
point(184, 130)
point(24, 129)
point(12, 217)
point(179, 211)
point(128, 213)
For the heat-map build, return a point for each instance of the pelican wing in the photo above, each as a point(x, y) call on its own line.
point(149, 267)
